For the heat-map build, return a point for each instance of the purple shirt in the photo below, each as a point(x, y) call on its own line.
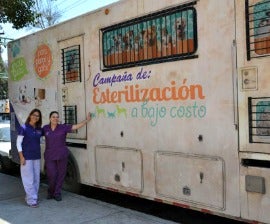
point(31, 141)
point(56, 148)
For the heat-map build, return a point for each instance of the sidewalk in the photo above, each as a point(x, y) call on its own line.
point(73, 209)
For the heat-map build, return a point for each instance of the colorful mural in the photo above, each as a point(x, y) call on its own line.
point(262, 27)
point(165, 35)
point(24, 92)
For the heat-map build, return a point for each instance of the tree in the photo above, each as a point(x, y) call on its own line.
point(29, 13)
point(20, 13)
point(3, 81)
point(48, 14)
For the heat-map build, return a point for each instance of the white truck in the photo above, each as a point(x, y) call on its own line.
point(179, 93)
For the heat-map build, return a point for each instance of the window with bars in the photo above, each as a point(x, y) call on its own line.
point(259, 120)
point(163, 36)
point(70, 115)
point(71, 64)
point(258, 28)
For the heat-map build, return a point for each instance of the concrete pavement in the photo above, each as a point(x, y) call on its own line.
point(73, 209)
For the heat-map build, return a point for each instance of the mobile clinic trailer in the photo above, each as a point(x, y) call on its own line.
point(179, 93)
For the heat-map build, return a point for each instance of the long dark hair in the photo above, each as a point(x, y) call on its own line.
point(39, 122)
point(53, 112)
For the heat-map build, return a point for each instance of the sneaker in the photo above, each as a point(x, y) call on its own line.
point(33, 205)
point(58, 198)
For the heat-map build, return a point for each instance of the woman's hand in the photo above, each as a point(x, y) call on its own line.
point(81, 124)
point(88, 118)
point(22, 160)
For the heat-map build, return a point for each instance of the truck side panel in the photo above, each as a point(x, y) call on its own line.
point(163, 83)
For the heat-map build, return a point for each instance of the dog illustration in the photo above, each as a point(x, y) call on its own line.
point(128, 40)
point(143, 39)
point(93, 115)
point(100, 111)
point(121, 110)
point(180, 26)
point(166, 38)
point(118, 42)
point(136, 43)
point(264, 28)
point(111, 114)
point(151, 36)
point(23, 98)
point(71, 62)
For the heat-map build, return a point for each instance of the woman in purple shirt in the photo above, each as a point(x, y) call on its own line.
point(28, 145)
point(56, 152)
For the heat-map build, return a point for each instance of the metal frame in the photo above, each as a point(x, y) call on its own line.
point(147, 22)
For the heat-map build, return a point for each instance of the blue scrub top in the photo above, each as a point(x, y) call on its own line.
point(31, 142)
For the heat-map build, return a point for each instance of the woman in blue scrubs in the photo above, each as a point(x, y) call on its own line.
point(28, 145)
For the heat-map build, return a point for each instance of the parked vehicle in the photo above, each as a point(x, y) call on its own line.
point(179, 95)
point(5, 146)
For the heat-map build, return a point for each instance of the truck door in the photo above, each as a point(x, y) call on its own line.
point(254, 108)
point(72, 84)
point(253, 76)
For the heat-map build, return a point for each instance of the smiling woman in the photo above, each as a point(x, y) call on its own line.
point(28, 145)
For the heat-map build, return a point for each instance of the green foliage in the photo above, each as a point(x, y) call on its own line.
point(3, 89)
point(3, 81)
point(2, 66)
point(29, 13)
point(20, 13)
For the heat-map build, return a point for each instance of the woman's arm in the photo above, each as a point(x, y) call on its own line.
point(19, 147)
point(81, 124)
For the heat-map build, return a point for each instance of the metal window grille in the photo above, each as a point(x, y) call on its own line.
point(257, 28)
point(259, 119)
point(70, 115)
point(71, 64)
point(159, 37)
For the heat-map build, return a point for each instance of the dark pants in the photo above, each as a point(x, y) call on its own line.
point(56, 172)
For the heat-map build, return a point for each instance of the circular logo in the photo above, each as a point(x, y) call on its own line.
point(43, 61)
